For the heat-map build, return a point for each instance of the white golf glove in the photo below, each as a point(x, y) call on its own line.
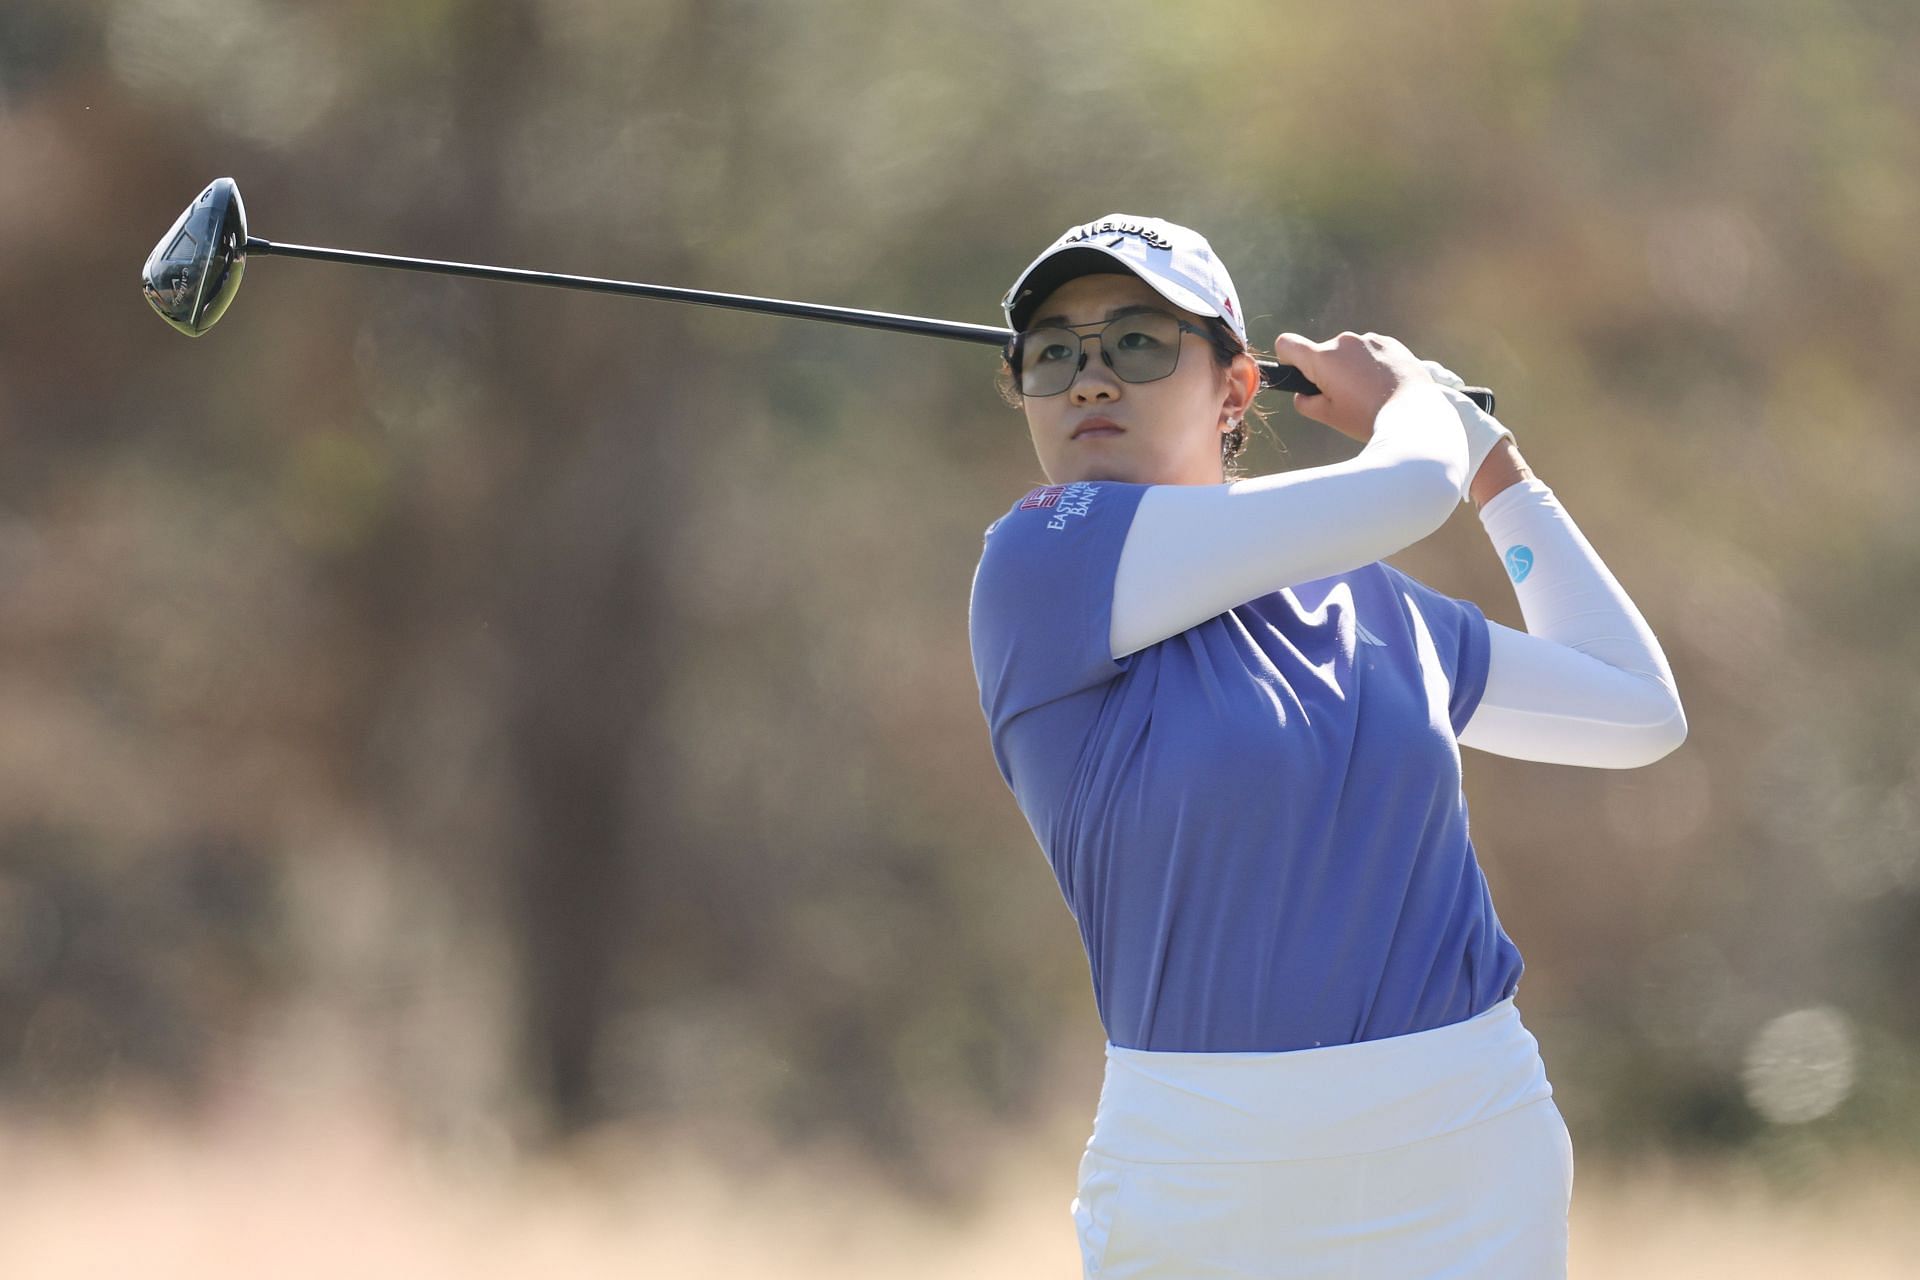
point(1484, 431)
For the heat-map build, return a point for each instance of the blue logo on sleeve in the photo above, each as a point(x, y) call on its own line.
point(1519, 562)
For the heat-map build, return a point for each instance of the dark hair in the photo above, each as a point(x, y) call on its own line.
point(1225, 344)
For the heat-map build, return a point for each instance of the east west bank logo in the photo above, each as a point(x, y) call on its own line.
point(1064, 500)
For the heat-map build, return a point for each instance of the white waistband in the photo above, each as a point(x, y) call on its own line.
point(1346, 1099)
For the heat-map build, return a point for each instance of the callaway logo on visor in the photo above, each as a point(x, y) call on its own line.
point(1107, 226)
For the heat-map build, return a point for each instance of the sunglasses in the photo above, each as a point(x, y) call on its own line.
point(1139, 346)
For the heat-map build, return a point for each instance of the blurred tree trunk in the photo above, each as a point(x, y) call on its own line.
point(586, 642)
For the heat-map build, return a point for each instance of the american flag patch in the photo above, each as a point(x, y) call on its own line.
point(1045, 496)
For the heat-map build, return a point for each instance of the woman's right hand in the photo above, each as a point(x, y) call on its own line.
point(1357, 374)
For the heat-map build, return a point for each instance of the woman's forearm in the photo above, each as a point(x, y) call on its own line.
point(1587, 683)
point(1196, 551)
point(1503, 468)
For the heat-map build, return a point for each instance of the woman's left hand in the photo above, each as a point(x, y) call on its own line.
point(1485, 436)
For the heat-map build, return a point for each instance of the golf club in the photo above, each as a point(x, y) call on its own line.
point(194, 271)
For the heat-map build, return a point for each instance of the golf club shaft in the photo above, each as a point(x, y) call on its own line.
point(1284, 377)
point(985, 334)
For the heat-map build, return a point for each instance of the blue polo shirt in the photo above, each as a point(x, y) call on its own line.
point(1257, 823)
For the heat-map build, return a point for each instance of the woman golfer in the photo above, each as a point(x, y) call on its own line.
point(1235, 732)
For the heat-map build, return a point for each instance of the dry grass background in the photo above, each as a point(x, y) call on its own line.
point(336, 1193)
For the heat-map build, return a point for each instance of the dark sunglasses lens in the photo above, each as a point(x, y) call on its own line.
point(1046, 360)
point(1143, 347)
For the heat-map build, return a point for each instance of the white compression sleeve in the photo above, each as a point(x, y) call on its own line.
point(1586, 683)
point(1195, 551)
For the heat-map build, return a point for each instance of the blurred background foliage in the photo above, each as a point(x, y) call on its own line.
point(541, 711)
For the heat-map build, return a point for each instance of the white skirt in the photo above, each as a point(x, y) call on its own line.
point(1438, 1154)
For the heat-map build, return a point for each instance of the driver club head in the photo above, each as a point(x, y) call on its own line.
point(193, 273)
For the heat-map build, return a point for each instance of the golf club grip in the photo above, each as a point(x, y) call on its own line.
point(1285, 377)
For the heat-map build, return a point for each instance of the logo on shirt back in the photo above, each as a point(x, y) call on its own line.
point(1046, 496)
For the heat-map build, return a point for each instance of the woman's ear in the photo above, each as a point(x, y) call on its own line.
point(1243, 383)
